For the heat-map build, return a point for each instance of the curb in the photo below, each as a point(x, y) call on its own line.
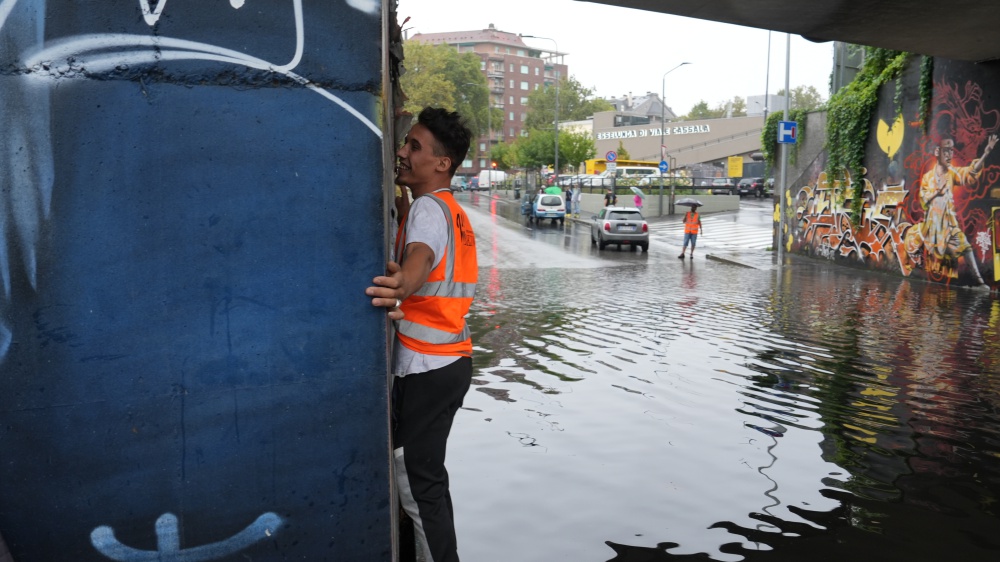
point(729, 261)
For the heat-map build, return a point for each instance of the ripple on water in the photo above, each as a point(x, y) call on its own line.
point(719, 417)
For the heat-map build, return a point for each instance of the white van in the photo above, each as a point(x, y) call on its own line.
point(632, 172)
point(497, 177)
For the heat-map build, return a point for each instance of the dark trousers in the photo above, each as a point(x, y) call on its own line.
point(423, 407)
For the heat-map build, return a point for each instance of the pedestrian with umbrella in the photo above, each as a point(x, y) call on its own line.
point(692, 224)
point(639, 196)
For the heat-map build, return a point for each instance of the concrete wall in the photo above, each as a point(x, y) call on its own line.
point(191, 205)
point(909, 226)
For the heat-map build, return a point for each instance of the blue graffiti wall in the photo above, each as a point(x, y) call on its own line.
point(190, 210)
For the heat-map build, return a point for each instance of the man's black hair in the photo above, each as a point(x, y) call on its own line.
point(449, 131)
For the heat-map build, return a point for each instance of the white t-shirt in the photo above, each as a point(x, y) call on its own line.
point(425, 223)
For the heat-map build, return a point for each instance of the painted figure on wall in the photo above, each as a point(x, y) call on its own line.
point(939, 241)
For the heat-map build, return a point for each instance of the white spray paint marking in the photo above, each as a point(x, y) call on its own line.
point(151, 16)
point(366, 6)
point(75, 49)
point(168, 542)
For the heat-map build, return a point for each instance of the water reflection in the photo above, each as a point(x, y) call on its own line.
point(657, 411)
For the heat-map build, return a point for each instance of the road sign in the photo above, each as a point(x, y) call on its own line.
point(787, 132)
point(664, 167)
point(612, 166)
point(611, 156)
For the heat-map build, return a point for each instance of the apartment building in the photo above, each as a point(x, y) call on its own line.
point(513, 70)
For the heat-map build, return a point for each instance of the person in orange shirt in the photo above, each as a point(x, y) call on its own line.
point(428, 294)
point(692, 226)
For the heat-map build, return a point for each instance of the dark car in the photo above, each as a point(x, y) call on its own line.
point(758, 187)
point(723, 186)
point(745, 187)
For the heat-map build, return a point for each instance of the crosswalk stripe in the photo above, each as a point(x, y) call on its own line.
point(719, 233)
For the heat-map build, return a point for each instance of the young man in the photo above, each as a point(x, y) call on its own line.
point(692, 226)
point(429, 292)
point(610, 199)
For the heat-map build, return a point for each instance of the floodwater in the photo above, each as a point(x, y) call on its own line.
point(636, 407)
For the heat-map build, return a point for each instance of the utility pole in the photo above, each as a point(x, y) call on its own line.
point(784, 157)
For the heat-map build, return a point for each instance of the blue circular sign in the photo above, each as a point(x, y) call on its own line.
point(611, 156)
point(664, 167)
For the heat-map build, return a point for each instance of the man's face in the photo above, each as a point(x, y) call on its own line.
point(416, 162)
point(945, 152)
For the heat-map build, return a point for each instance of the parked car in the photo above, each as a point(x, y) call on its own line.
point(723, 186)
point(544, 206)
point(619, 225)
point(745, 187)
point(758, 187)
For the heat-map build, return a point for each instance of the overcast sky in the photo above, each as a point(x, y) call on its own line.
point(616, 50)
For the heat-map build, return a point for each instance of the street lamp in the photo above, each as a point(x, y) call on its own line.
point(489, 135)
point(663, 123)
point(555, 73)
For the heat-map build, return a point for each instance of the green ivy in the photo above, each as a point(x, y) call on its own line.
point(849, 115)
point(926, 89)
point(769, 137)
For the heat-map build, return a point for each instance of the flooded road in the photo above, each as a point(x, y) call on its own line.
point(636, 407)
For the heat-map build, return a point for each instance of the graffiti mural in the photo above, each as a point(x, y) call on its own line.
point(931, 189)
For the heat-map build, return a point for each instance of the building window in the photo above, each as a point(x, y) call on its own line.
point(524, 85)
point(466, 163)
point(524, 101)
point(524, 117)
point(511, 68)
point(482, 162)
point(482, 146)
point(536, 71)
point(512, 100)
point(496, 49)
point(513, 132)
point(511, 118)
point(536, 86)
point(520, 52)
point(482, 65)
point(512, 84)
point(507, 50)
point(524, 69)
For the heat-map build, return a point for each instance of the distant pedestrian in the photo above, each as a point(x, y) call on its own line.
point(638, 202)
point(692, 226)
point(610, 199)
point(576, 196)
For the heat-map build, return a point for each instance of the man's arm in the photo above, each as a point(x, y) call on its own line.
point(990, 143)
point(401, 282)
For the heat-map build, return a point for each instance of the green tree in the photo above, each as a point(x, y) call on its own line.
point(804, 97)
point(505, 155)
point(575, 103)
point(739, 107)
point(535, 150)
point(439, 75)
point(574, 148)
point(700, 110)
point(623, 152)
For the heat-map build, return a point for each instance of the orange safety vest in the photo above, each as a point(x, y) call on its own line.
point(691, 223)
point(434, 322)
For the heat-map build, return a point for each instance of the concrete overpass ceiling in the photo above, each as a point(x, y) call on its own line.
point(959, 29)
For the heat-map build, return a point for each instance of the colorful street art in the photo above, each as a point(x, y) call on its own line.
point(931, 206)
